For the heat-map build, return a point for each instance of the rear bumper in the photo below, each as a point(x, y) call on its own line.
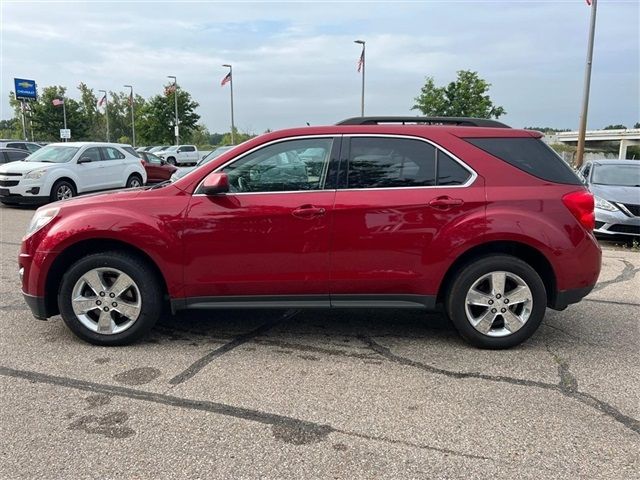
point(37, 305)
point(566, 297)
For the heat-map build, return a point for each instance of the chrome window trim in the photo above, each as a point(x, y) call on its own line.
point(332, 137)
point(469, 182)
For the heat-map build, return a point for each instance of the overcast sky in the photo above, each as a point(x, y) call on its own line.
point(296, 62)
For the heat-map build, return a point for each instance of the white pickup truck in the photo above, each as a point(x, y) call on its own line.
point(180, 155)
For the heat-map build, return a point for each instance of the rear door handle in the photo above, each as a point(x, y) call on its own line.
point(445, 202)
point(308, 211)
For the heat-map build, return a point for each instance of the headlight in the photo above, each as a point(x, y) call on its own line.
point(602, 204)
point(40, 219)
point(35, 174)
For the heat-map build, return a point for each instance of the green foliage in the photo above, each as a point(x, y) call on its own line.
point(636, 125)
point(159, 117)
point(11, 128)
point(465, 97)
point(548, 129)
point(239, 137)
point(615, 127)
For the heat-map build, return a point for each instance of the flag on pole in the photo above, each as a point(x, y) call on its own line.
point(102, 101)
point(226, 79)
point(361, 61)
point(588, 2)
point(131, 98)
point(170, 89)
point(57, 102)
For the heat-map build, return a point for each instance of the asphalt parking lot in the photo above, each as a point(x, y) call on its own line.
point(322, 394)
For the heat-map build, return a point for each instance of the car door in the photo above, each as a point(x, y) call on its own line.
point(114, 167)
point(269, 236)
point(397, 206)
point(90, 174)
point(154, 168)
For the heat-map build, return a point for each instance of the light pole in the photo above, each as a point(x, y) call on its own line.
point(361, 67)
point(587, 84)
point(106, 110)
point(133, 122)
point(233, 127)
point(175, 96)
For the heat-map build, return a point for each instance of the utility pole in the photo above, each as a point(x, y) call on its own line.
point(361, 67)
point(587, 84)
point(233, 126)
point(133, 122)
point(106, 110)
point(175, 97)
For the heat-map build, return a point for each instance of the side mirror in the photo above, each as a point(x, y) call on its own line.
point(179, 150)
point(215, 183)
point(84, 160)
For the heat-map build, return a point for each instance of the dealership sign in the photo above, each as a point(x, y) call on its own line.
point(25, 89)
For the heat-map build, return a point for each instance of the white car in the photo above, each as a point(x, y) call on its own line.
point(64, 170)
point(180, 155)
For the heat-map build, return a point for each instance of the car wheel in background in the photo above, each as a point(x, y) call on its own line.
point(110, 298)
point(497, 301)
point(134, 181)
point(171, 161)
point(62, 190)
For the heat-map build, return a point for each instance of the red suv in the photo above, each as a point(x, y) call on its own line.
point(469, 214)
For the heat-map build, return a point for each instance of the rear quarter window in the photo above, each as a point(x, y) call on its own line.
point(530, 155)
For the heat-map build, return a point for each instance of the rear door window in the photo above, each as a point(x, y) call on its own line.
point(530, 155)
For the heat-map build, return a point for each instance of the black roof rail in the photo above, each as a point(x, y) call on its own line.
point(460, 121)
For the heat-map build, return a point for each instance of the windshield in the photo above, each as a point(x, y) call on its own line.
point(211, 155)
point(620, 175)
point(53, 154)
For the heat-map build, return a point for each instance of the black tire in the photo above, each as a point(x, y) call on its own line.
point(146, 281)
point(455, 303)
point(134, 181)
point(171, 161)
point(62, 189)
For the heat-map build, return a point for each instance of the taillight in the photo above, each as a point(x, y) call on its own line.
point(581, 205)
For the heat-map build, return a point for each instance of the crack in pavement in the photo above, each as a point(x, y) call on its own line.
point(205, 360)
point(628, 272)
point(614, 302)
point(303, 431)
point(567, 385)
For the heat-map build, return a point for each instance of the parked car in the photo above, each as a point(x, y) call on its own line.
point(12, 154)
point(180, 154)
point(28, 146)
point(482, 219)
point(616, 186)
point(63, 170)
point(181, 172)
point(158, 170)
point(158, 148)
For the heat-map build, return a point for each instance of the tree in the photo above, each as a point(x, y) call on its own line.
point(636, 125)
point(159, 117)
point(465, 97)
point(615, 127)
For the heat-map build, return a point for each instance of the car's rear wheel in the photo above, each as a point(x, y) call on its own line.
point(172, 161)
point(62, 190)
point(134, 181)
point(110, 298)
point(497, 301)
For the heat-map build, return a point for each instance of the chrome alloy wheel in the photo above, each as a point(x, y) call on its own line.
point(498, 304)
point(63, 192)
point(135, 183)
point(106, 300)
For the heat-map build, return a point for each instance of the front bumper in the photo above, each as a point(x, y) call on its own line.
point(26, 192)
point(616, 223)
point(37, 305)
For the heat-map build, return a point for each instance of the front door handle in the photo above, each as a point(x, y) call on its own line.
point(308, 211)
point(445, 202)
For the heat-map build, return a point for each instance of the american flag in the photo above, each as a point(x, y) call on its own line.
point(588, 2)
point(226, 79)
point(170, 89)
point(102, 101)
point(361, 61)
point(57, 102)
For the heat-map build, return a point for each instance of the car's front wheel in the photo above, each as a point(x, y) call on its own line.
point(62, 190)
point(497, 301)
point(110, 298)
point(171, 161)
